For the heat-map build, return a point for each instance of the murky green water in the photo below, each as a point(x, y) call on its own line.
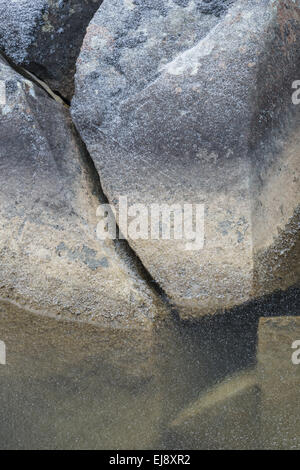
point(72, 386)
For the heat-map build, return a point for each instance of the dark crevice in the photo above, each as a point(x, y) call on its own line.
point(122, 247)
point(280, 303)
point(277, 304)
point(31, 77)
point(63, 98)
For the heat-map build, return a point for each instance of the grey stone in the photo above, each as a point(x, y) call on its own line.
point(51, 260)
point(279, 379)
point(180, 106)
point(45, 36)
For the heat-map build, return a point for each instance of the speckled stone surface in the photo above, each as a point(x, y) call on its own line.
point(190, 102)
point(45, 36)
point(51, 260)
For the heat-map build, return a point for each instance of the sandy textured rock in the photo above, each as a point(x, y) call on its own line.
point(45, 36)
point(51, 260)
point(279, 379)
point(190, 102)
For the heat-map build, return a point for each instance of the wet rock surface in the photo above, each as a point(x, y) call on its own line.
point(71, 385)
point(45, 36)
point(178, 102)
point(180, 106)
point(279, 379)
point(51, 260)
point(223, 417)
point(68, 385)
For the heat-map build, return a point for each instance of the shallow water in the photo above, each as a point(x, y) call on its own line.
point(75, 386)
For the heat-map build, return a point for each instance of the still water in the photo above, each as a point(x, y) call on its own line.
point(73, 386)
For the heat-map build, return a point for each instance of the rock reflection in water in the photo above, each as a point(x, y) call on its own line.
point(76, 386)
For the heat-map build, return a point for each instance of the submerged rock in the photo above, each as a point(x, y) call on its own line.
point(181, 104)
point(224, 417)
point(51, 260)
point(279, 378)
point(71, 385)
point(45, 36)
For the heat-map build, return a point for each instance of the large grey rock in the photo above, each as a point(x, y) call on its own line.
point(190, 102)
point(279, 379)
point(45, 36)
point(51, 260)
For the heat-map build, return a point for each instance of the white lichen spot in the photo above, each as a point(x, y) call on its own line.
point(29, 88)
point(129, 4)
point(5, 110)
point(32, 92)
point(189, 61)
point(47, 27)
